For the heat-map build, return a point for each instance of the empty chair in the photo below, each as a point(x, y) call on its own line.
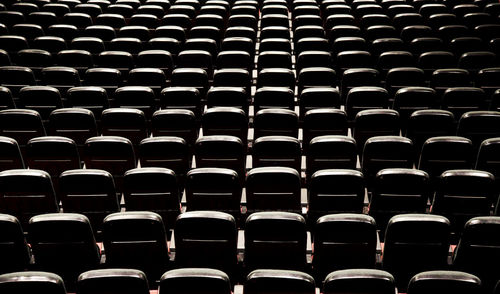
point(17, 188)
point(236, 97)
point(153, 189)
point(357, 77)
point(353, 59)
point(16, 77)
point(137, 240)
point(425, 236)
point(275, 240)
point(225, 121)
point(391, 59)
point(89, 192)
point(463, 194)
point(364, 98)
point(402, 77)
point(43, 99)
point(427, 123)
point(191, 77)
point(382, 152)
point(29, 282)
point(110, 153)
point(195, 280)
point(411, 99)
point(475, 61)
point(181, 98)
point(175, 122)
point(35, 59)
point(445, 78)
point(330, 151)
point(276, 151)
point(375, 122)
point(477, 248)
point(64, 243)
point(487, 80)
point(275, 44)
point(277, 280)
point(206, 239)
point(214, 189)
point(21, 125)
point(104, 32)
point(15, 254)
point(232, 77)
point(273, 188)
point(345, 195)
point(234, 59)
point(53, 155)
point(153, 78)
point(75, 123)
point(478, 126)
point(61, 78)
point(106, 78)
point(124, 122)
point(92, 98)
point(273, 98)
point(359, 281)
point(221, 151)
point(344, 241)
point(463, 99)
point(11, 157)
point(113, 279)
point(81, 60)
point(462, 45)
point(444, 153)
point(311, 77)
point(487, 157)
point(120, 60)
point(161, 59)
point(276, 77)
point(92, 45)
point(397, 191)
point(452, 281)
point(279, 122)
point(318, 97)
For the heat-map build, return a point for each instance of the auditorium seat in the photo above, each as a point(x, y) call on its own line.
point(359, 281)
point(221, 151)
point(276, 281)
point(346, 195)
point(275, 240)
point(126, 123)
point(43, 99)
point(153, 189)
point(440, 154)
point(396, 191)
point(136, 239)
point(15, 252)
point(63, 243)
point(343, 241)
point(206, 239)
point(273, 188)
point(424, 124)
point(276, 122)
point(31, 281)
point(237, 97)
point(175, 122)
point(273, 98)
point(463, 194)
point(90, 192)
point(10, 154)
point(182, 98)
point(427, 237)
point(382, 152)
point(225, 121)
point(477, 250)
point(112, 280)
point(411, 99)
point(195, 280)
point(215, 189)
point(110, 153)
point(460, 100)
point(479, 126)
point(444, 281)
point(375, 122)
point(330, 151)
point(276, 151)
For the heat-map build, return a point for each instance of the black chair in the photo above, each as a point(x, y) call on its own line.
point(109, 280)
point(64, 243)
point(359, 281)
point(136, 239)
point(425, 236)
point(273, 188)
point(15, 254)
point(276, 151)
point(153, 189)
point(195, 280)
point(276, 280)
point(275, 240)
point(206, 239)
point(10, 154)
point(29, 282)
point(453, 281)
point(343, 241)
point(330, 151)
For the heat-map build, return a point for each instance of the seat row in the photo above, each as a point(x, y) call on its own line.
point(64, 243)
point(201, 280)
